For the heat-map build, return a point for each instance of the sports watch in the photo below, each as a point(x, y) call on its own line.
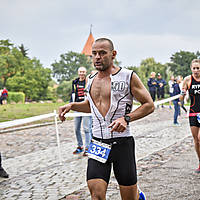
point(127, 118)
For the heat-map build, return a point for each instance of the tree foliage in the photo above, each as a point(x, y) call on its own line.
point(146, 67)
point(33, 81)
point(11, 60)
point(180, 62)
point(21, 74)
point(67, 68)
point(64, 90)
point(23, 50)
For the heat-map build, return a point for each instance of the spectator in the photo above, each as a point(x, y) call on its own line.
point(4, 95)
point(1, 96)
point(182, 101)
point(78, 95)
point(176, 91)
point(3, 173)
point(152, 84)
point(160, 87)
point(170, 83)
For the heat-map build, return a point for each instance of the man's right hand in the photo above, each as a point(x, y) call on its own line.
point(63, 110)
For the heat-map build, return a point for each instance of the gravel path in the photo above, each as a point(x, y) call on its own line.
point(165, 160)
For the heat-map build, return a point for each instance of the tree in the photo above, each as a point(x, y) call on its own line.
point(10, 61)
point(23, 50)
point(67, 68)
point(116, 62)
point(64, 90)
point(33, 81)
point(146, 67)
point(19, 73)
point(180, 62)
point(133, 68)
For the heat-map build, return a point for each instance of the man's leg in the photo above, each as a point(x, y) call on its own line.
point(129, 192)
point(162, 97)
point(86, 128)
point(90, 127)
point(153, 94)
point(158, 97)
point(124, 167)
point(97, 188)
point(175, 112)
point(98, 175)
point(77, 123)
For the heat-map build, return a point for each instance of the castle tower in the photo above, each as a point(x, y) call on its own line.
point(87, 49)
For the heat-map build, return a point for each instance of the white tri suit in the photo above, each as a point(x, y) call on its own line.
point(122, 154)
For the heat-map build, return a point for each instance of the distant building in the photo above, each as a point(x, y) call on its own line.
point(87, 49)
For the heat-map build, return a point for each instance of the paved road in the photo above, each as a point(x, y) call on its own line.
point(31, 157)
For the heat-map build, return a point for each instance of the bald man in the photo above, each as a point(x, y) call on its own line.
point(152, 84)
point(78, 95)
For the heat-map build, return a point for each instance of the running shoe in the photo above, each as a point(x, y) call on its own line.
point(78, 150)
point(3, 173)
point(198, 170)
point(177, 124)
point(141, 195)
point(85, 152)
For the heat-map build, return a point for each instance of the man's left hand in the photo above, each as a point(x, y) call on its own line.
point(119, 125)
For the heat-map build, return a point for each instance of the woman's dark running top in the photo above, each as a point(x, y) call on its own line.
point(194, 92)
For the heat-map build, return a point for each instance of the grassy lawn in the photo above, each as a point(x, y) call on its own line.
point(10, 112)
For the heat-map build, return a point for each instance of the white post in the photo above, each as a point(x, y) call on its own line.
point(58, 139)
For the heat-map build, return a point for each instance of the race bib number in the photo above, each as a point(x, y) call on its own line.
point(198, 117)
point(99, 151)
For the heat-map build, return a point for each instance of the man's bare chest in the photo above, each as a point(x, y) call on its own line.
point(101, 90)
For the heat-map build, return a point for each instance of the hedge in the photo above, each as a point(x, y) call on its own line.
point(16, 97)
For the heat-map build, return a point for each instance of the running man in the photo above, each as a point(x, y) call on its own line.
point(192, 84)
point(110, 98)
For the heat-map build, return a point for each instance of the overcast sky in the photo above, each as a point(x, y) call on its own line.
point(138, 28)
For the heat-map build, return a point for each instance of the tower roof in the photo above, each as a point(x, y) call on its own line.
point(87, 49)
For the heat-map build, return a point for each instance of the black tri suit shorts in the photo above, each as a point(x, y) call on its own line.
point(193, 121)
point(122, 157)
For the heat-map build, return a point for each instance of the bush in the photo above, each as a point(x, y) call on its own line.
point(16, 97)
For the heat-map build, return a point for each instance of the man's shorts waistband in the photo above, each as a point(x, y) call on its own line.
point(112, 141)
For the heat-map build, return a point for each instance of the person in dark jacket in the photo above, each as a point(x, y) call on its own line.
point(3, 96)
point(176, 91)
point(78, 95)
point(152, 84)
point(160, 87)
point(3, 173)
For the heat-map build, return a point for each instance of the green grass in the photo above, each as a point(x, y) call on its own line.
point(10, 112)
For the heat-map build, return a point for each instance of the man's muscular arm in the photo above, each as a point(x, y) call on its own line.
point(83, 106)
point(143, 96)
